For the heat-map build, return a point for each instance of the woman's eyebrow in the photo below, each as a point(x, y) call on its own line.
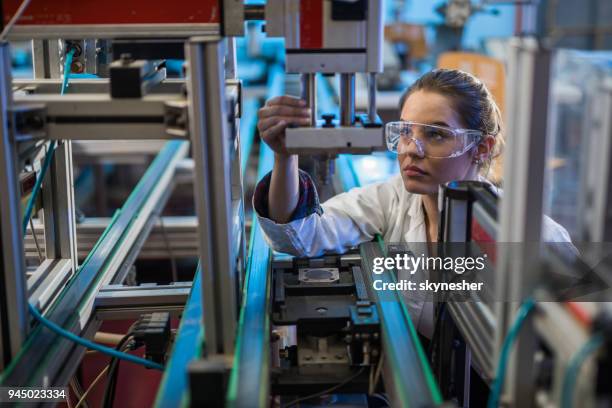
point(440, 123)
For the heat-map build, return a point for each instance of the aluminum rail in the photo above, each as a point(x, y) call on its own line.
point(173, 391)
point(41, 358)
point(249, 384)
point(413, 384)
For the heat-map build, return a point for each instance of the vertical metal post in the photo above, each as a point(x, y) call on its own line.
point(372, 96)
point(210, 144)
point(59, 207)
point(13, 300)
point(347, 99)
point(309, 94)
point(521, 205)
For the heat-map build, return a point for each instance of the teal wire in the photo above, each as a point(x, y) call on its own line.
point(26, 219)
point(573, 368)
point(500, 375)
point(67, 69)
point(90, 345)
point(36, 189)
point(47, 162)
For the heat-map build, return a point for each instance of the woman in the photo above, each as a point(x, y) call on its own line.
point(450, 129)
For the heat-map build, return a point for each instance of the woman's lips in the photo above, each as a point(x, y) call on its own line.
point(413, 171)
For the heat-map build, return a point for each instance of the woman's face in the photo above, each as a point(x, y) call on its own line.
point(422, 175)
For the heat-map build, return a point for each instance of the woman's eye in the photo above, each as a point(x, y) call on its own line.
point(436, 135)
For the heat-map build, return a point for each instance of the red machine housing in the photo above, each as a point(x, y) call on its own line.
point(85, 12)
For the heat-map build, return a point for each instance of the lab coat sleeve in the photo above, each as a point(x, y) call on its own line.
point(335, 226)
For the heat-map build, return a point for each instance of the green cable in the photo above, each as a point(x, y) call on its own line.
point(523, 312)
point(573, 368)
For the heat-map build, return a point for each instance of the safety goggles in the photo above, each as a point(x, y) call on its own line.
point(433, 141)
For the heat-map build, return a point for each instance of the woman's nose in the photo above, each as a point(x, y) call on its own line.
point(411, 146)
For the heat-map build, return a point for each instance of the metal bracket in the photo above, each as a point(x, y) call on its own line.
point(27, 122)
point(176, 118)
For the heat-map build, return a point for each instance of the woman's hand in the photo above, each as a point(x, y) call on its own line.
point(279, 113)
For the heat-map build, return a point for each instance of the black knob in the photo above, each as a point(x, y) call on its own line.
point(329, 119)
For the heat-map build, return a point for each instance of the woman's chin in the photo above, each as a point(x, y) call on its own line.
point(416, 186)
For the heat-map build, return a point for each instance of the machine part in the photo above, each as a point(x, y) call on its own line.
point(336, 323)
point(47, 19)
point(187, 346)
point(347, 99)
point(372, 115)
point(213, 187)
point(28, 122)
point(120, 296)
point(149, 48)
point(329, 36)
point(527, 113)
point(97, 116)
point(251, 371)
point(13, 309)
point(208, 381)
point(411, 382)
point(154, 331)
point(233, 14)
point(318, 275)
point(74, 313)
point(309, 94)
point(133, 78)
point(337, 140)
point(254, 12)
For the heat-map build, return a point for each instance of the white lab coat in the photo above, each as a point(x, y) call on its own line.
point(356, 216)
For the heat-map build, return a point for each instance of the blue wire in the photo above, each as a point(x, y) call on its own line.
point(500, 375)
point(91, 345)
point(26, 219)
point(36, 189)
point(43, 171)
point(67, 69)
point(573, 368)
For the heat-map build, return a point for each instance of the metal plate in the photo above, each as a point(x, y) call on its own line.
point(319, 275)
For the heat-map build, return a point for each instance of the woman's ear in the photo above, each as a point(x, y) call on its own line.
point(484, 150)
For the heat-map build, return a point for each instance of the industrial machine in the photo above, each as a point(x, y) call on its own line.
point(253, 327)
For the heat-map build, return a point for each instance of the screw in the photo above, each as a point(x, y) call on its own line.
point(307, 358)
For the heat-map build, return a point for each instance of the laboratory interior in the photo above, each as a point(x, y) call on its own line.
point(149, 259)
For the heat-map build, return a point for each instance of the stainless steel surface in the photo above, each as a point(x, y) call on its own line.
point(347, 99)
point(13, 306)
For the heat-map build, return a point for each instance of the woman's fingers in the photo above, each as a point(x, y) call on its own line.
point(286, 100)
point(283, 110)
point(264, 124)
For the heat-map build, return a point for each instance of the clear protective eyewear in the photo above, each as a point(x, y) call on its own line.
point(438, 142)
